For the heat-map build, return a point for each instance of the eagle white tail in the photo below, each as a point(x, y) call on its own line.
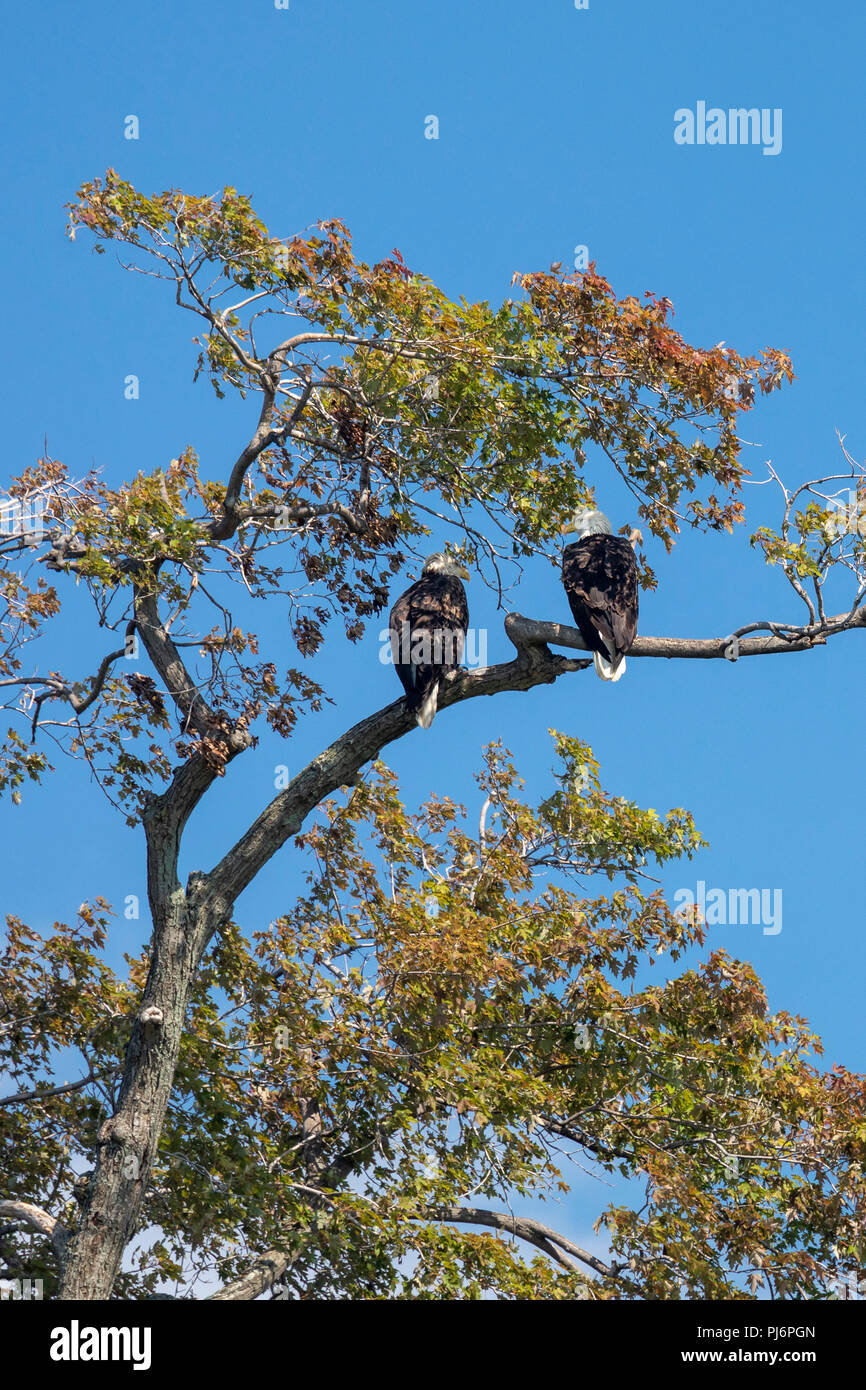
point(605, 668)
point(425, 714)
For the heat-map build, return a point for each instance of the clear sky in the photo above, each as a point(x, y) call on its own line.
point(556, 129)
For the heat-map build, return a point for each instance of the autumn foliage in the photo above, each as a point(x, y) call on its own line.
point(456, 1009)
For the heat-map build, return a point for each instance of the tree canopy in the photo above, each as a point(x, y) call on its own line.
point(354, 1100)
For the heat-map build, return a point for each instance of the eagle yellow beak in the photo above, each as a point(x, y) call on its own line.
point(464, 573)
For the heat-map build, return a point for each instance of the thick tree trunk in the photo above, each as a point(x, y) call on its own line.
point(129, 1139)
point(183, 923)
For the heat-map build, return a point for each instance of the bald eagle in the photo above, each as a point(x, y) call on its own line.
point(599, 572)
point(428, 626)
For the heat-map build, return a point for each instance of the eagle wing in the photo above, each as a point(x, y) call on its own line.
point(601, 581)
point(433, 614)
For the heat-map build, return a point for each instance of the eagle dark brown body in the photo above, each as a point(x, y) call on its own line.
point(600, 576)
point(428, 626)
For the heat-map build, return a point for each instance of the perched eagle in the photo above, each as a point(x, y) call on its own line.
point(428, 626)
point(599, 572)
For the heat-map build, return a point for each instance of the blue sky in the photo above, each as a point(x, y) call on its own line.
point(556, 129)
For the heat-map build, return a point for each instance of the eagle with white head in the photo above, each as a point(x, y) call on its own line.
point(600, 576)
point(428, 626)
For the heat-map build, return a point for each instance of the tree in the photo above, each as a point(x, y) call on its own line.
point(445, 1009)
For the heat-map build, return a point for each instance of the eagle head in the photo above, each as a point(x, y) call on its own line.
point(586, 521)
point(442, 563)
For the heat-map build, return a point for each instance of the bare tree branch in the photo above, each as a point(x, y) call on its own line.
point(261, 1275)
point(535, 664)
point(783, 638)
point(263, 438)
point(82, 702)
point(603, 1151)
point(195, 712)
point(62, 690)
point(339, 765)
point(45, 1092)
point(35, 1219)
point(272, 1265)
point(559, 1247)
